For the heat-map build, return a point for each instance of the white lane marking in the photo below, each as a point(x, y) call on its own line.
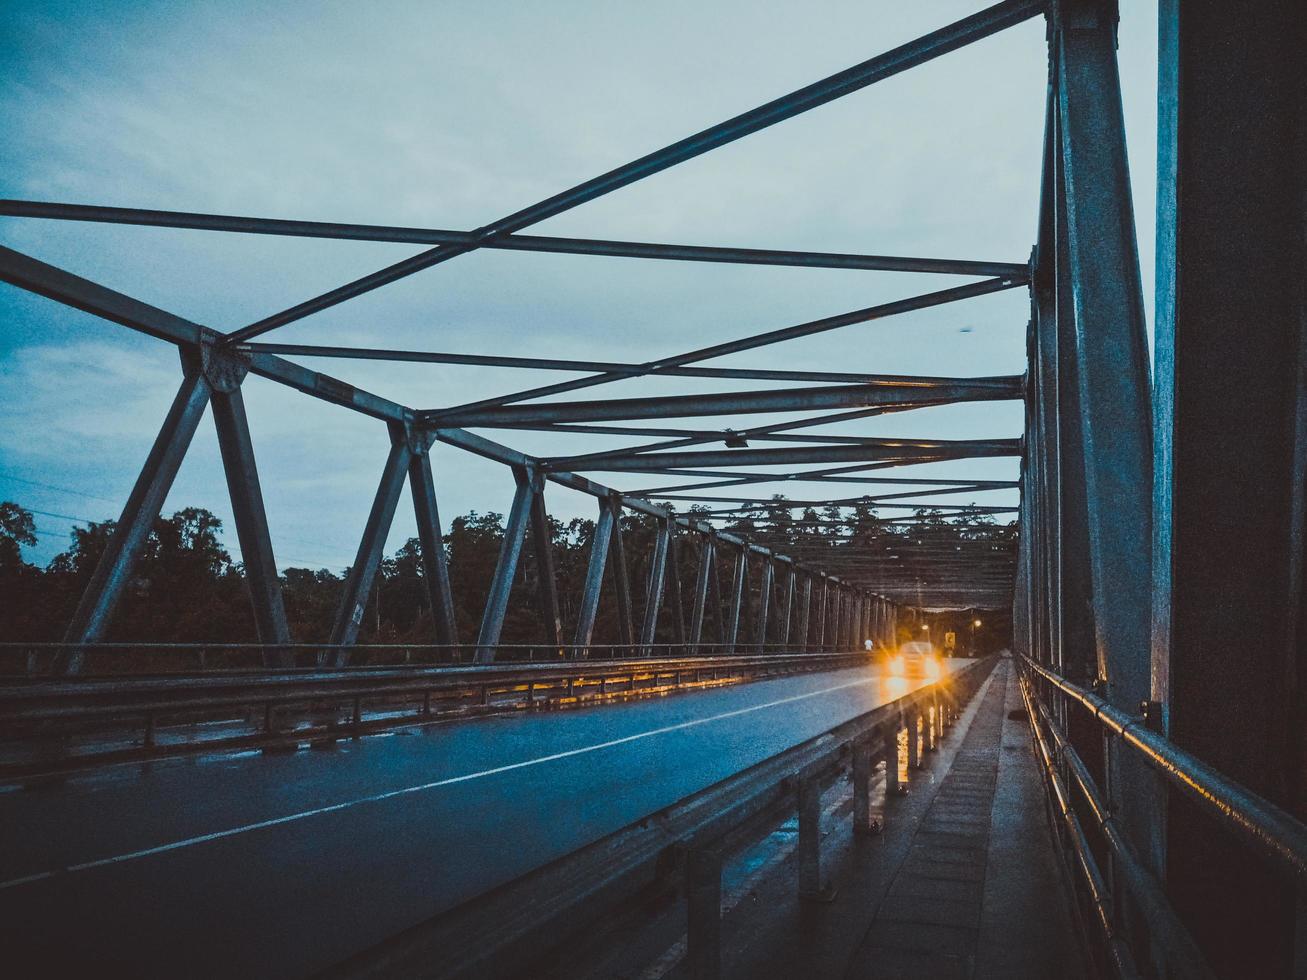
point(391, 794)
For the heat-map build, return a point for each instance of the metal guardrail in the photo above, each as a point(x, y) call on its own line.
point(1268, 831)
point(505, 931)
point(130, 659)
point(55, 725)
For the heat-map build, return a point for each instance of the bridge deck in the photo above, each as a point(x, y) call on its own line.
point(279, 865)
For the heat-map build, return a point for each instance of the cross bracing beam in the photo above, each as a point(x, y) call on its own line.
point(755, 341)
point(932, 45)
point(842, 474)
point(560, 364)
point(742, 436)
point(883, 450)
point(895, 391)
point(71, 290)
point(521, 243)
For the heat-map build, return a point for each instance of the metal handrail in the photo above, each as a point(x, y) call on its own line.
point(1274, 833)
point(500, 933)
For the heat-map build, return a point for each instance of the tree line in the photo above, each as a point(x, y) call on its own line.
point(187, 588)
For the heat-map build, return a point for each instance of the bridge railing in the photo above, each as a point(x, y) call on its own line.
point(38, 660)
point(506, 931)
point(52, 725)
point(1090, 828)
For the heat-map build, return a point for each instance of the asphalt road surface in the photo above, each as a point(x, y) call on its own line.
point(253, 865)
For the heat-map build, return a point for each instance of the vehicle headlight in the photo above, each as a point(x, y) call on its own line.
point(932, 668)
point(896, 665)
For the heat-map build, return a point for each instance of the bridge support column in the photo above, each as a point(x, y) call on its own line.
point(1113, 380)
point(1230, 463)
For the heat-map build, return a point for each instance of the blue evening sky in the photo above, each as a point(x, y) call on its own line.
point(450, 115)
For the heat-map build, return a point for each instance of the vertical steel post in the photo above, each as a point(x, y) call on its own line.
point(621, 574)
point(707, 553)
point(358, 582)
point(653, 593)
point(890, 735)
point(787, 608)
point(821, 613)
point(501, 586)
point(764, 605)
point(738, 587)
point(1112, 372)
point(435, 567)
point(94, 610)
point(1230, 463)
point(542, 544)
point(805, 608)
point(594, 579)
point(675, 597)
point(242, 474)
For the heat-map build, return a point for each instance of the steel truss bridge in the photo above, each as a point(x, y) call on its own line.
point(1156, 584)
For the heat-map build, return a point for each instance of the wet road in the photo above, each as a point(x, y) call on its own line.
point(259, 865)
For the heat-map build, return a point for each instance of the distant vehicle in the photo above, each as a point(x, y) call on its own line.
point(916, 658)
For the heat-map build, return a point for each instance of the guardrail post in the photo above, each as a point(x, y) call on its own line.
point(812, 886)
point(703, 906)
point(890, 748)
point(913, 717)
point(863, 763)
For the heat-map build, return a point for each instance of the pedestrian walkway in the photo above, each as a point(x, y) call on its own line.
point(980, 893)
point(963, 881)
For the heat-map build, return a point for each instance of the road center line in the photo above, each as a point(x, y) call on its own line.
point(391, 794)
